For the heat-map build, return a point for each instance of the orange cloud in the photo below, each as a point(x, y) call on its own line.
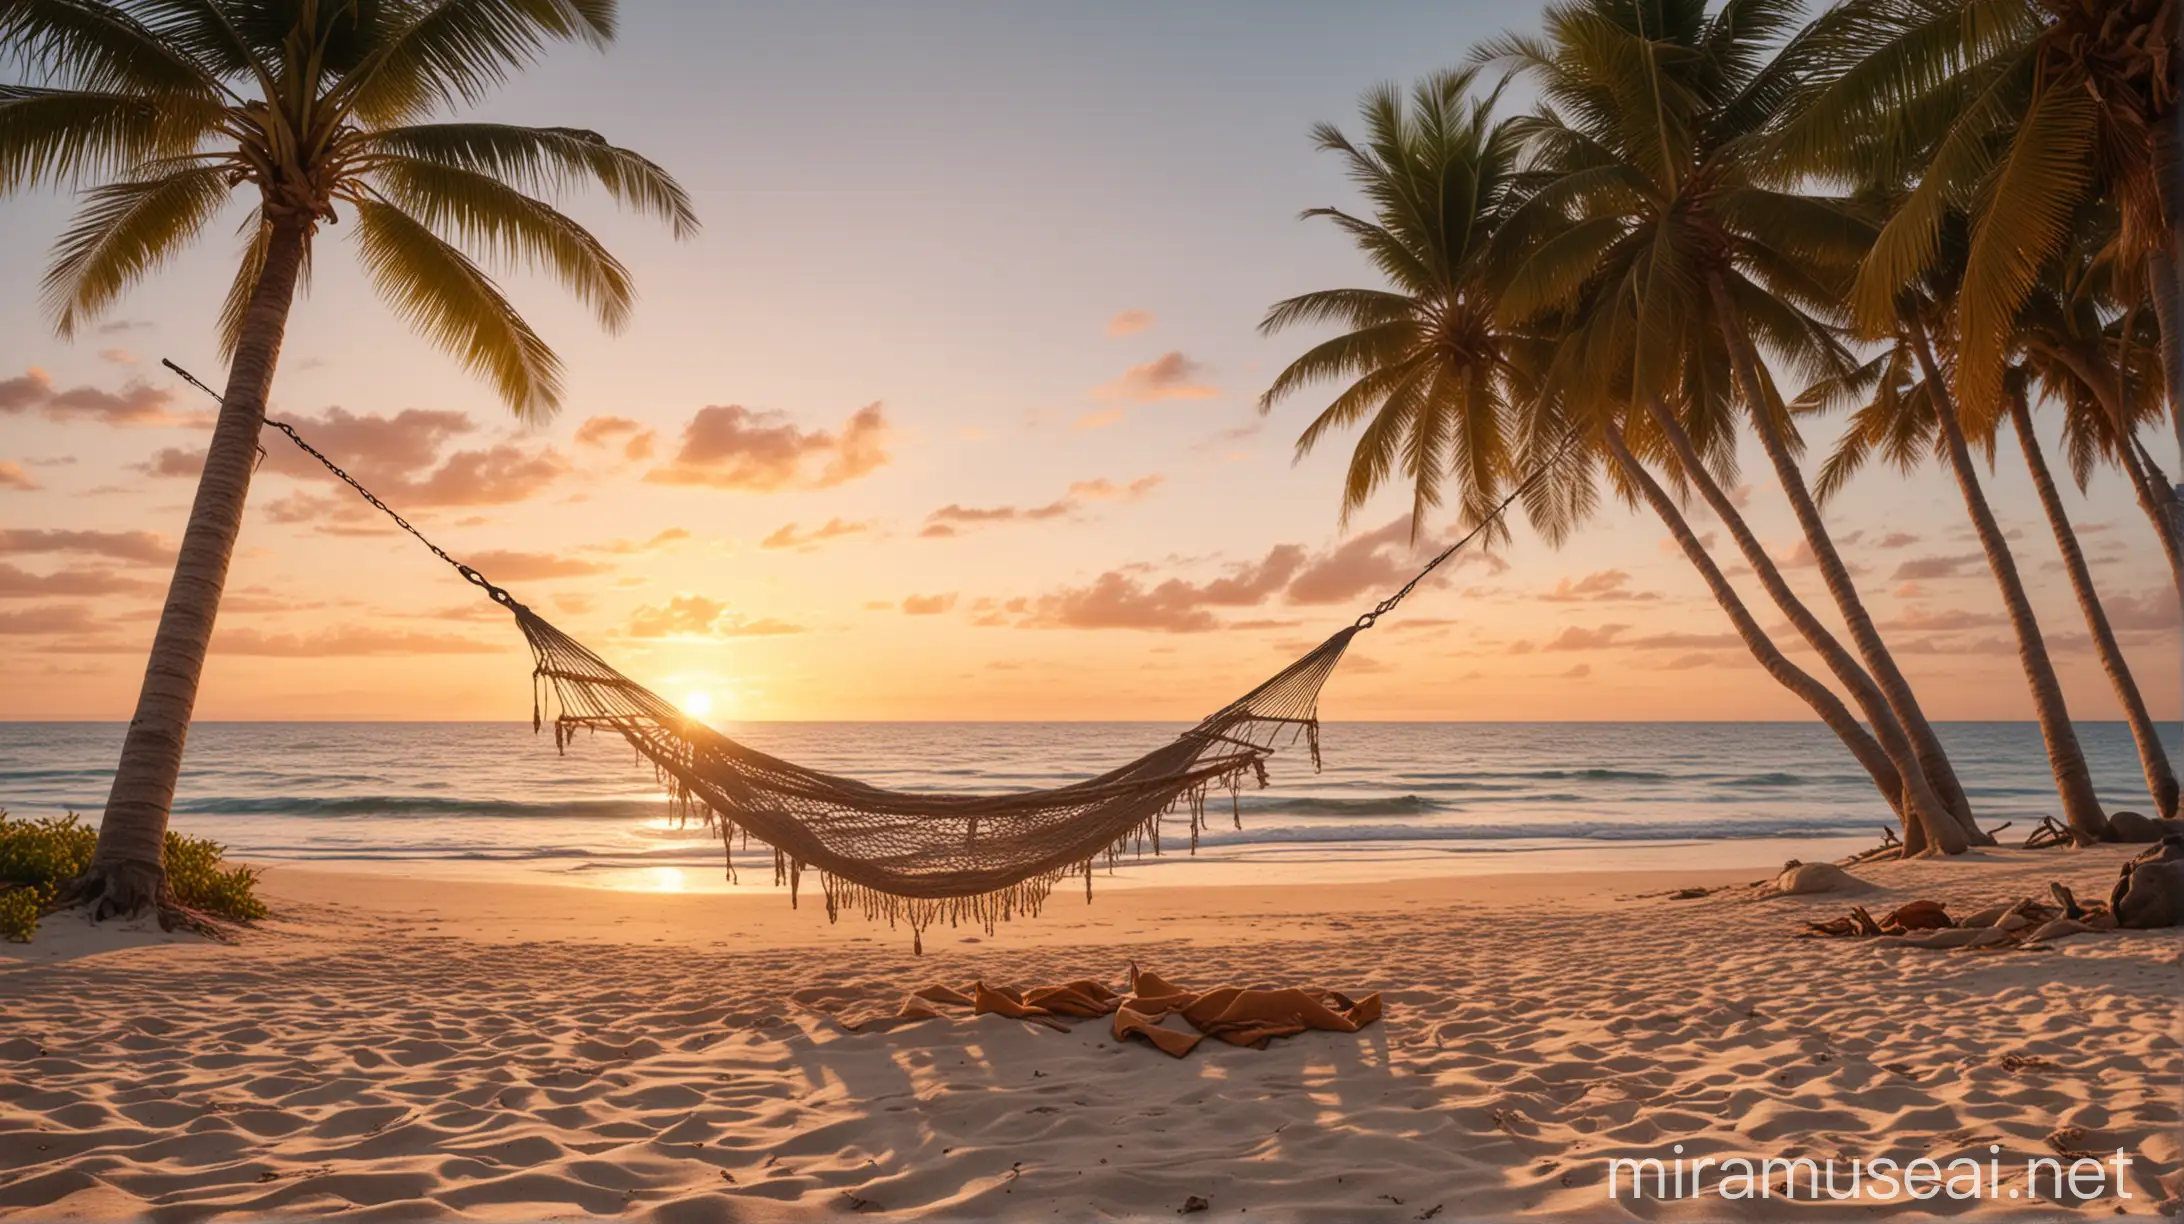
point(346, 641)
point(732, 447)
point(399, 457)
point(600, 432)
point(1923, 568)
point(1369, 565)
point(21, 584)
point(138, 546)
point(12, 476)
point(503, 566)
point(1577, 637)
point(137, 404)
point(697, 616)
point(928, 605)
point(1104, 489)
point(1605, 586)
point(1166, 377)
point(951, 519)
point(624, 548)
point(787, 536)
point(1129, 322)
point(54, 618)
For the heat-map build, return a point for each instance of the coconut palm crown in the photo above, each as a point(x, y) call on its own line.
point(162, 111)
point(165, 109)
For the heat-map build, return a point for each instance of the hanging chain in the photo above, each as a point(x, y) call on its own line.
point(498, 595)
point(1539, 473)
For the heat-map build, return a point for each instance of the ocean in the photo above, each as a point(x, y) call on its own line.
point(493, 800)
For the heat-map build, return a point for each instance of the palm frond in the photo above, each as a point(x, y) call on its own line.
point(100, 47)
point(458, 51)
point(1345, 356)
point(1351, 307)
point(486, 214)
point(1910, 241)
point(63, 137)
point(2021, 223)
point(123, 231)
point(546, 161)
point(450, 301)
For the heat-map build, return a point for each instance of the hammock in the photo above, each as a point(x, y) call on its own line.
point(920, 858)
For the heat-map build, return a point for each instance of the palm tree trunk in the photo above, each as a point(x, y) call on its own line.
point(2160, 779)
point(128, 871)
point(1921, 792)
point(2073, 783)
point(2168, 265)
point(1879, 662)
point(1917, 835)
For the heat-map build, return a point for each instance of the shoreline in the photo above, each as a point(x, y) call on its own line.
point(1267, 863)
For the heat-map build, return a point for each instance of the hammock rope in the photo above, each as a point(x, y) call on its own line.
point(913, 857)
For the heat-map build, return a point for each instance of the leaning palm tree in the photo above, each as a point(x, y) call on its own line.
point(1645, 183)
point(161, 110)
point(1900, 417)
point(2023, 114)
point(1447, 391)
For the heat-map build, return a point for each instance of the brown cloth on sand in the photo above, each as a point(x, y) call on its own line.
point(1233, 1014)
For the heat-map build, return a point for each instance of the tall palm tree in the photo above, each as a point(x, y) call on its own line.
point(1445, 389)
point(2024, 114)
point(1435, 380)
point(160, 110)
point(1899, 417)
point(1645, 184)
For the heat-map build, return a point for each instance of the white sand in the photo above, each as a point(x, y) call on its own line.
point(418, 1049)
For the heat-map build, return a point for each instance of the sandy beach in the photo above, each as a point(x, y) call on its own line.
point(401, 1049)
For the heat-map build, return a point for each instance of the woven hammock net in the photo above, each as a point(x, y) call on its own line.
point(925, 858)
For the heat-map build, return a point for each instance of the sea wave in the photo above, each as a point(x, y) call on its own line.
point(422, 807)
point(705, 852)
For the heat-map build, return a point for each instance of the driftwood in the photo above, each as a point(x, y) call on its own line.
point(2017, 924)
point(1891, 847)
point(2048, 834)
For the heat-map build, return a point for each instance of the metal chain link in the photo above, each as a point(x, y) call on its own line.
point(1540, 473)
point(498, 595)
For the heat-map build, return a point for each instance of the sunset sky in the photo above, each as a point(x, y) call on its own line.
point(948, 413)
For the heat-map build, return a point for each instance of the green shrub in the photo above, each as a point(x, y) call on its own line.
point(38, 856)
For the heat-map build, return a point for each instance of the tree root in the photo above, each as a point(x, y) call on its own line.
point(125, 890)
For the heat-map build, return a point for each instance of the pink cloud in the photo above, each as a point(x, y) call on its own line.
point(1169, 376)
point(1129, 322)
point(733, 447)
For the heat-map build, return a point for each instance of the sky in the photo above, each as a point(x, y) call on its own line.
point(950, 412)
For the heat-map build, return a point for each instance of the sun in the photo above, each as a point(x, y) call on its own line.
point(698, 703)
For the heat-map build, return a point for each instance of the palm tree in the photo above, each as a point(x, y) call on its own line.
point(162, 109)
point(1445, 389)
point(1645, 184)
point(2026, 115)
point(1435, 375)
point(1906, 416)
